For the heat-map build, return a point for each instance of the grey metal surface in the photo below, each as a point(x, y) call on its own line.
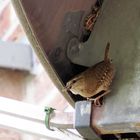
point(118, 23)
point(83, 112)
point(50, 25)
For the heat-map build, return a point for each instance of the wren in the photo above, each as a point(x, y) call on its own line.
point(95, 80)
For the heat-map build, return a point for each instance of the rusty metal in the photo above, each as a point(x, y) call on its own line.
point(56, 27)
point(50, 25)
point(121, 110)
point(83, 112)
point(91, 19)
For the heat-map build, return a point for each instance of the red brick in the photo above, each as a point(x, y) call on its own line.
point(4, 20)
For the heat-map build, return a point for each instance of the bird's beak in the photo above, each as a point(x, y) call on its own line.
point(67, 88)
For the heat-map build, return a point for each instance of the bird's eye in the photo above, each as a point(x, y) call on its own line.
point(73, 81)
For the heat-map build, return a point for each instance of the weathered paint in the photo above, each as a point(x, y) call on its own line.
point(118, 23)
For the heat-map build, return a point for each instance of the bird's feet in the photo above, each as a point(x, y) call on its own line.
point(96, 101)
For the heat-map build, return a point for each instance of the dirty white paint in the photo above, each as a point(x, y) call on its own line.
point(15, 56)
point(30, 119)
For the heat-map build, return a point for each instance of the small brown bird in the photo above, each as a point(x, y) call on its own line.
point(95, 80)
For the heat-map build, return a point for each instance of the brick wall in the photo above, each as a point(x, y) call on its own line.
point(4, 20)
point(19, 85)
point(9, 135)
point(12, 83)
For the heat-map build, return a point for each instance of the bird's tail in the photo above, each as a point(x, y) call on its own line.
point(106, 56)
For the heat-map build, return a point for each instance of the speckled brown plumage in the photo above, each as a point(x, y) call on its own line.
point(94, 80)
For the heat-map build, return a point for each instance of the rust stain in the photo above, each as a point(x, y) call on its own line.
point(96, 115)
point(50, 15)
